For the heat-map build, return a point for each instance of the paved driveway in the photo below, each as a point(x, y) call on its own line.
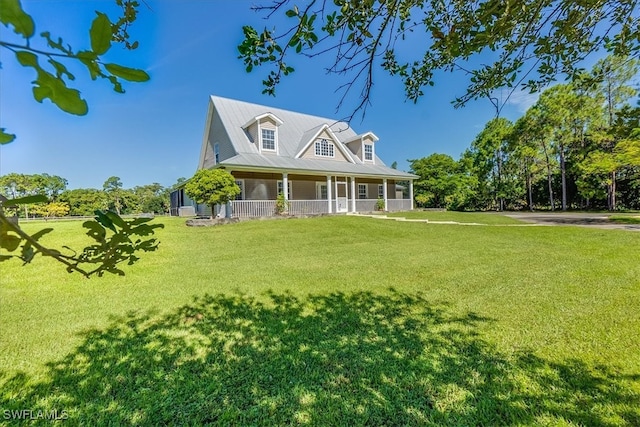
point(595, 220)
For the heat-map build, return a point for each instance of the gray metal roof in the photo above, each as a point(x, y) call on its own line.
point(293, 134)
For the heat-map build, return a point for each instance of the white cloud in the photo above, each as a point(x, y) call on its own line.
point(520, 99)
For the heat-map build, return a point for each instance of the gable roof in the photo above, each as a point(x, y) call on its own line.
point(295, 132)
point(311, 137)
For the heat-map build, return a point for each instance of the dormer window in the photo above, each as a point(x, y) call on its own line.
point(368, 152)
point(269, 139)
point(324, 148)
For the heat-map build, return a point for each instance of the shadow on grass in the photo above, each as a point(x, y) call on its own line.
point(339, 359)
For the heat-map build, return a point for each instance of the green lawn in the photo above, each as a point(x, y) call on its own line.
point(334, 321)
point(625, 219)
point(488, 218)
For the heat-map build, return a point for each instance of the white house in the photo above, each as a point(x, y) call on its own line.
point(324, 165)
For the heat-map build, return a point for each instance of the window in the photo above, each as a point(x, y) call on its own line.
point(362, 191)
point(216, 152)
point(380, 191)
point(240, 183)
point(368, 152)
point(288, 189)
point(269, 139)
point(324, 148)
point(321, 191)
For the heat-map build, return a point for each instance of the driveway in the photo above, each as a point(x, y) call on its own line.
point(593, 220)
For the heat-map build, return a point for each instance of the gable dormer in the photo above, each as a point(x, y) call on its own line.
point(363, 146)
point(322, 144)
point(263, 132)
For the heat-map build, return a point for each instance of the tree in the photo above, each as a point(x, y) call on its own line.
point(113, 187)
point(112, 235)
point(613, 75)
point(490, 151)
point(440, 180)
point(528, 42)
point(212, 187)
point(84, 201)
point(152, 198)
point(53, 78)
point(526, 140)
point(52, 209)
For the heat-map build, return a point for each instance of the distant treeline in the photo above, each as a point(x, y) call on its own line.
point(151, 198)
point(578, 147)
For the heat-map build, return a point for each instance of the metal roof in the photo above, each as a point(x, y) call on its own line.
point(292, 133)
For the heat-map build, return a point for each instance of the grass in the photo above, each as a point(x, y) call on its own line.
point(625, 219)
point(334, 321)
point(488, 218)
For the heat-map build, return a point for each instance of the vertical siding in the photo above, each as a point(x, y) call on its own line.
point(252, 131)
point(356, 148)
point(217, 135)
point(304, 190)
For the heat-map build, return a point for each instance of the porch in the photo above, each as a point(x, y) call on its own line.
point(308, 195)
point(266, 208)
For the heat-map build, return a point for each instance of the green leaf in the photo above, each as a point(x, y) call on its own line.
point(68, 100)
point(100, 34)
point(38, 198)
point(130, 74)
point(27, 59)
point(6, 138)
point(11, 13)
point(61, 70)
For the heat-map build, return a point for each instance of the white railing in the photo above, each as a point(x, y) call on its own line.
point(398, 205)
point(253, 208)
point(262, 208)
point(302, 207)
point(366, 205)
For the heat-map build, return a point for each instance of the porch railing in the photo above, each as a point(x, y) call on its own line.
point(302, 207)
point(262, 208)
point(366, 205)
point(253, 208)
point(394, 205)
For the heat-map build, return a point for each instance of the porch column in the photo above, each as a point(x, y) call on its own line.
point(285, 185)
point(329, 193)
point(411, 192)
point(384, 194)
point(353, 194)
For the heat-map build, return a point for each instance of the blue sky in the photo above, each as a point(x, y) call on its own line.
point(153, 133)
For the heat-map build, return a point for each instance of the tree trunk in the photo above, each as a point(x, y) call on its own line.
point(529, 190)
point(549, 176)
point(613, 191)
point(563, 173)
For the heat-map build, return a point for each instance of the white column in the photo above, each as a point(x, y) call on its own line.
point(353, 194)
point(329, 193)
point(411, 192)
point(384, 194)
point(285, 185)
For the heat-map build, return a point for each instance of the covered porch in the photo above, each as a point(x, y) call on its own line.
point(315, 194)
point(310, 194)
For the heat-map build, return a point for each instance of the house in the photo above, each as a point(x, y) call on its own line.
point(324, 165)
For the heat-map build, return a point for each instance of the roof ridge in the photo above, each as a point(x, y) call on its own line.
point(330, 121)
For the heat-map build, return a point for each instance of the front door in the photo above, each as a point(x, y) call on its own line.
point(342, 202)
